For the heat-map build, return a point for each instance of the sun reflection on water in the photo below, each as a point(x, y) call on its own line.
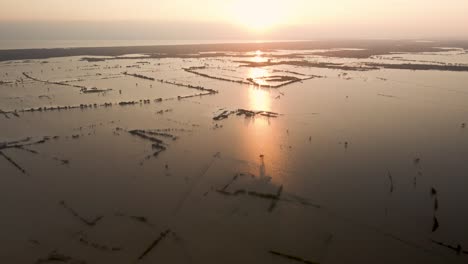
point(260, 137)
point(258, 75)
point(259, 57)
point(259, 99)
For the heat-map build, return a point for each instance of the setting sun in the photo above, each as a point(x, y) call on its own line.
point(258, 15)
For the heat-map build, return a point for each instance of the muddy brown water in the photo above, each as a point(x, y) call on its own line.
point(309, 184)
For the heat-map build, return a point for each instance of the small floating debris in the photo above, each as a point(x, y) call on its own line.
point(94, 90)
point(387, 95)
point(216, 126)
point(56, 257)
point(160, 112)
point(44, 97)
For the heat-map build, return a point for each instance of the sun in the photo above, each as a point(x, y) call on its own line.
point(258, 15)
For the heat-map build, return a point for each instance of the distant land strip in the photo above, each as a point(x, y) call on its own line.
point(360, 49)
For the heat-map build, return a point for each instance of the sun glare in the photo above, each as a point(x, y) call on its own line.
point(258, 75)
point(259, 99)
point(258, 15)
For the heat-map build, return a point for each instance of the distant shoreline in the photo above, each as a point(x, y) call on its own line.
point(59, 44)
point(366, 48)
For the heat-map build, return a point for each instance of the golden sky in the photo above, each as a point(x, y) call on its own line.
point(255, 15)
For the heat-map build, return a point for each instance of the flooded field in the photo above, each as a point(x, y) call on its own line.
point(330, 155)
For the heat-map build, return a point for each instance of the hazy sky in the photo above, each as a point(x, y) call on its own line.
point(300, 19)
